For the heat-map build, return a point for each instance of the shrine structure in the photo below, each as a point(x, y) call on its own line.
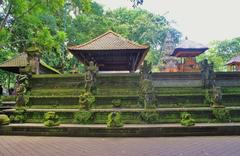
point(111, 52)
point(188, 50)
point(234, 64)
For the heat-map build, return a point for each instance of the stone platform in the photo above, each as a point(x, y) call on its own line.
point(129, 130)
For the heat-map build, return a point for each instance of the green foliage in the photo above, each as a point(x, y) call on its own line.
point(86, 100)
point(4, 120)
point(209, 97)
point(135, 24)
point(114, 120)
point(51, 24)
point(221, 114)
point(212, 55)
point(4, 36)
point(51, 119)
point(18, 116)
point(186, 119)
point(116, 102)
point(221, 52)
point(83, 117)
point(149, 116)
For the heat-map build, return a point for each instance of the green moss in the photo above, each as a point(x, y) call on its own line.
point(221, 114)
point(63, 76)
point(4, 120)
point(114, 120)
point(186, 119)
point(83, 117)
point(172, 91)
point(116, 102)
point(56, 92)
point(51, 119)
point(86, 100)
point(8, 98)
point(49, 67)
point(227, 90)
point(54, 106)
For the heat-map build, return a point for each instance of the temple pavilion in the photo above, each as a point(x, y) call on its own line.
point(111, 52)
point(188, 50)
point(234, 64)
point(21, 61)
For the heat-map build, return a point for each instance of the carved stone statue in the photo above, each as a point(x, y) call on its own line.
point(212, 76)
point(217, 96)
point(145, 70)
point(20, 91)
point(207, 74)
point(86, 99)
point(90, 77)
point(23, 79)
point(146, 93)
point(89, 82)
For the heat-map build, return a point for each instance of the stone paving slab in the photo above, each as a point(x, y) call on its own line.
point(171, 146)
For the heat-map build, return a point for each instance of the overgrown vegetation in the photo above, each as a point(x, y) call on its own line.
point(19, 116)
point(149, 116)
point(51, 119)
point(86, 100)
point(83, 117)
point(116, 102)
point(221, 114)
point(114, 120)
point(208, 98)
point(186, 119)
point(4, 120)
point(220, 52)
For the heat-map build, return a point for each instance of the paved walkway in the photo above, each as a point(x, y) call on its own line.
point(170, 146)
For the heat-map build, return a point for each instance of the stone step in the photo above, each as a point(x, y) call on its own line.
point(5, 107)
point(142, 130)
point(110, 105)
point(124, 109)
point(8, 103)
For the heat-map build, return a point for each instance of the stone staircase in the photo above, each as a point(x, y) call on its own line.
point(7, 102)
point(175, 92)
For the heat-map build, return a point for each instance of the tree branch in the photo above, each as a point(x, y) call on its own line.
point(29, 9)
point(6, 17)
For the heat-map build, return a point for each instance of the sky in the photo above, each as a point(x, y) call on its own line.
point(200, 20)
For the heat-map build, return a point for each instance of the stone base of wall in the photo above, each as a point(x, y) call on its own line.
point(71, 130)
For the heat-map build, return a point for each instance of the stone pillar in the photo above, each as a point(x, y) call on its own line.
point(34, 59)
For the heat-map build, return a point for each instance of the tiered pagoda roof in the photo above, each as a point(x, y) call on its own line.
point(188, 48)
point(111, 52)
